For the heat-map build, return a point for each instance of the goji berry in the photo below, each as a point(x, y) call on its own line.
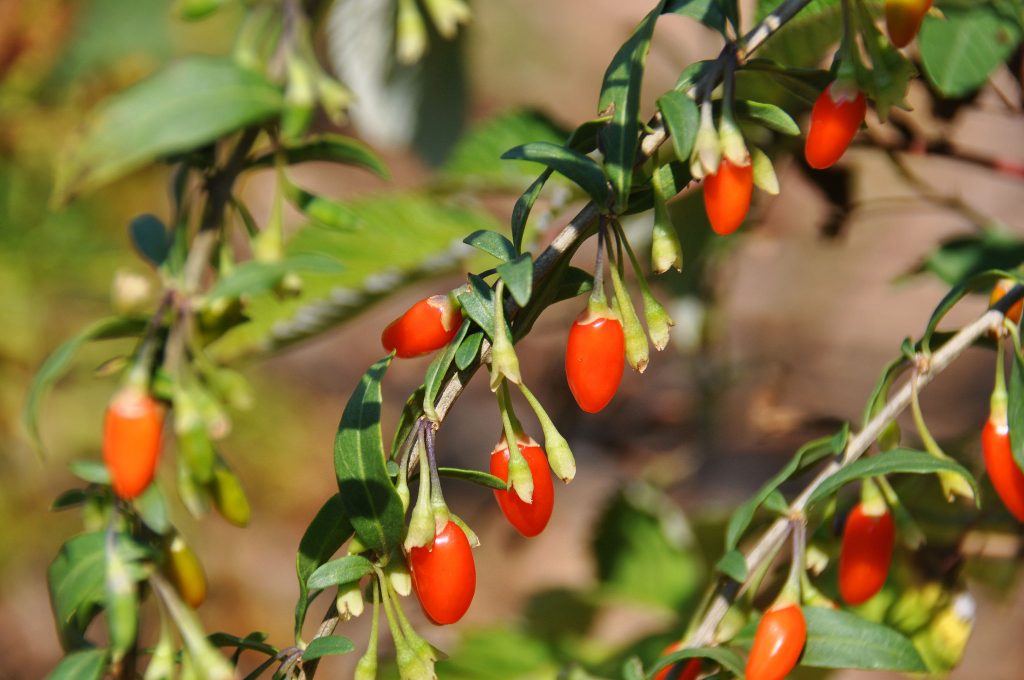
point(132, 431)
point(444, 575)
point(428, 325)
point(1003, 470)
point(594, 359)
point(529, 519)
point(778, 643)
point(903, 19)
point(868, 540)
point(835, 119)
point(727, 195)
point(684, 670)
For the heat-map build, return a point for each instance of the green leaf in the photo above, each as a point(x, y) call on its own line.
point(682, 118)
point(57, 364)
point(401, 238)
point(500, 654)
point(1015, 408)
point(438, 368)
point(492, 243)
point(808, 454)
point(960, 51)
point(475, 162)
point(895, 461)
point(620, 96)
point(121, 599)
point(340, 571)
point(733, 565)
point(76, 583)
point(983, 281)
point(330, 645)
point(329, 529)
point(474, 476)
point(804, 39)
point(838, 639)
point(572, 283)
point(478, 304)
point(582, 170)
point(72, 498)
point(468, 350)
point(518, 278)
point(640, 552)
point(768, 115)
point(524, 204)
point(186, 106)
point(153, 509)
point(370, 501)
point(960, 258)
point(150, 238)
point(320, 210)
point(708, 12)
point(92, 471)
point(253, 641)
point(726, 658)
point(252, 277)
point(85, 664)
point(328, 148)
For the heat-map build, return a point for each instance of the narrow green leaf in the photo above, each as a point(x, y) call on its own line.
point(682, 118)
point(733, 565)
point(896, 461)
point(708, 12)
point(321, 210)
point(340, 571)
point(726, 658)
point(580, 169)
point(492, 243)
point(150, 238)
point(434, 377)
point(92, 471)
point(839, 439)
point(75, 579)
point(370, 500)
point(808, 454)
point(478, 303)
point(252, 277)
point(468, 349)
point(121, 600)
point(1015, 408)
point(186, 106)
point(153, 509)
point(518, 277)
point(57, 364)
point(524, 204)
point(72, 498)
point(572, 283)
point(768, 115)
point(633, 669)
point(330, 645)
point(839, 639)
point(85, 664)
point(620, 96)
point(329, 148)
point(253, 641)
point(474, 476)
point(962, 49)
point(329, 529)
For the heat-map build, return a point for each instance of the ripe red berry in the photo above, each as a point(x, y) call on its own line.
point(903, 19)
point(727, 195)
point(868, 540)
point(835, 119)
point(529, 519)
point(1001, 288)
point(685, 670)
point(132, 430)
point(443, 575)
point(428, 325)
point(1003, 470)
point(594, 359)
point(778, 642)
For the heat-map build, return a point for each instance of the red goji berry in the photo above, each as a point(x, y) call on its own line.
point(778, 642)
point(903, 19)
point(835, 119)
point(444, 575)
point(594, 359)
point(868, 540)
point(132, 431)
point(727, 195)
point(684, 670)
point(1003, 470)
point(428, 325)
point(529, 519)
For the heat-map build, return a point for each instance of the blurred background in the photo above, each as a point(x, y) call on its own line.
point(781, 332)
